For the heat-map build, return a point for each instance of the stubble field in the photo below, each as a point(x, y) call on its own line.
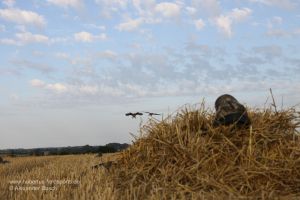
point(55, 177)
point(181, 157)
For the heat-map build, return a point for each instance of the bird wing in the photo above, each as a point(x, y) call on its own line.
point(155, 114)
point(151, 113)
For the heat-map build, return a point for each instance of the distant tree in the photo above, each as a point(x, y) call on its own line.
point(86, 149)
point(11, 153)
point(38, 152)
point(118, 146)
point(106, 149)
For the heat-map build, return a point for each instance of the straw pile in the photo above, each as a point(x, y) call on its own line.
point(184, 157)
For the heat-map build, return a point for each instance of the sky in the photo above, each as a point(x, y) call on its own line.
point(71, 69)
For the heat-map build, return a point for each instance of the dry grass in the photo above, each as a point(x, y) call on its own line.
point(93, 184)
point(184, 157)
point(181, 157)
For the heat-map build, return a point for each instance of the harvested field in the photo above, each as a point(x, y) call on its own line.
point(181, 157)
point(55, 177)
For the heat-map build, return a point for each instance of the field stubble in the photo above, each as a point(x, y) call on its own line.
point(180, 157)
point(55, 177)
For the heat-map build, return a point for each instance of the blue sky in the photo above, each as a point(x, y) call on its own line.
point(71, 69)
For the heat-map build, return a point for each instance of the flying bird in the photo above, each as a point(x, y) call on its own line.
point(133, 115)
point(151, 113)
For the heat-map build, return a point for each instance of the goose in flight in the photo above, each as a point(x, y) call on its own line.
point(133, 115)
point(151, 113)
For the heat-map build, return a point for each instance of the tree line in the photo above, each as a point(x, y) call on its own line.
point(108, 148)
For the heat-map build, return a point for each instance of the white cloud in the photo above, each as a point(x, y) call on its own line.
point(287, 4)
point(191, 10)
point(283, 33)
point(9, 3)
point(168, 9)
point(67, 3)
point(25, 38)
point(239, 15)
point(145, 10)
point(60, 40)
point(277, 20)
point(23, 17)
point(225, 22)
point(273, 22)
point(84, 90)
point(88, 89)
point(84, 36)
point(55, 87)
point(113, 3)
point(108, 7)
point(102, 28)
point(8, 41)
point(25, 64)
point(62, 55)
point(102, 36)
point(210, 7)
point(130, 25)
point(144, 7)
point(28, 37)
point(109, 54)
point(37, 83)
point(135, 89)
point(110, 91)
point(144, 79)
point(199, 24)
point(270, 52)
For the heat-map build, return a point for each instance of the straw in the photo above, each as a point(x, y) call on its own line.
point(184, 157)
